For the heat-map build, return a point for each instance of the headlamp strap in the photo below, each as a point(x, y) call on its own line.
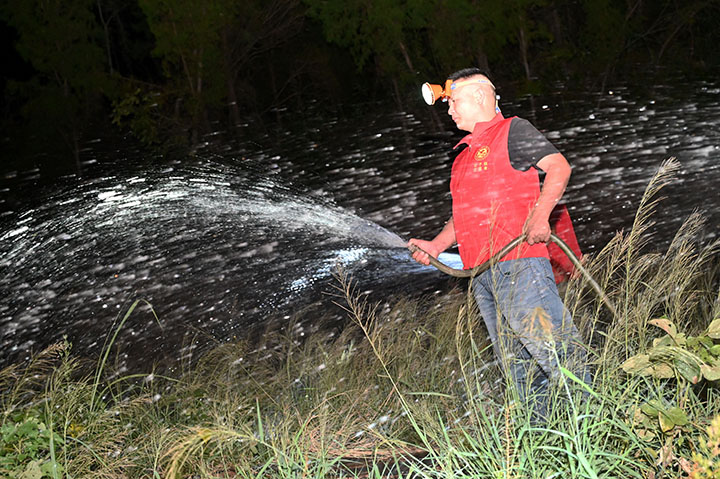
point(450, 85)
point(458, 84)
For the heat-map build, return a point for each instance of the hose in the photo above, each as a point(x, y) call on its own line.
point(481, 268)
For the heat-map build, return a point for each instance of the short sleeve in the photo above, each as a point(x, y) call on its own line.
point(526, 145)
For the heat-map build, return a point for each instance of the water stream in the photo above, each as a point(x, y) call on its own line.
point(214, 249)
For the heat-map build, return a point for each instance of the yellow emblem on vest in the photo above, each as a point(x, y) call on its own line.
point(480, 155)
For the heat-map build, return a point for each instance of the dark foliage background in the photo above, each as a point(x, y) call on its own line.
point(167, 71)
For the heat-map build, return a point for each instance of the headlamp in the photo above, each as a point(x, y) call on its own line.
point(432, 93)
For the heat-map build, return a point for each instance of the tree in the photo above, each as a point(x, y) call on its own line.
point(431, 36)
point(61, 40)
point(604, 35)
point(187, 38)
point(383, 31)
point(258, 28)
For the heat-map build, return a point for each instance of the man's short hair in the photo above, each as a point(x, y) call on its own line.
point(468, 72)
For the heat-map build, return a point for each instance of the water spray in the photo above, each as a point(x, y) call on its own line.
point(481, 268)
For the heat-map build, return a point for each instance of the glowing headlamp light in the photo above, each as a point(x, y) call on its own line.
point(432, 93)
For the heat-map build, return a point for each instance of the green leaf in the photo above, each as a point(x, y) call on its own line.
point(676, 415)
point(638, 364)
point(714, 329)
point(688, 370)
point(705, 356)
point(666, 325)
point(28, 429)
point(579, 381)
point(652, 407)
point(666, 423)
point(711, 373)
point(671, 418)
point(663, 353)
point(706, 341)
point(715, 350)
point(586, 465)
point(52, 469)
point(662, 371)
point(664, 341)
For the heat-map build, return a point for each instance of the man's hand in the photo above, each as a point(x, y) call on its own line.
point(440, 243)
point(427, 246)
point(537, 229)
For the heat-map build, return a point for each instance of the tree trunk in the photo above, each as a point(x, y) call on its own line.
point(233, 109)
point(408, 62)
point(76, 152)
point(273, 85)
point(69, 131)
point(107, 37)
point(398, 98)
point(482, 60)
point(524, 52)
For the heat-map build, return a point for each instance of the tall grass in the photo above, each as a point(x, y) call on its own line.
point(408, 389)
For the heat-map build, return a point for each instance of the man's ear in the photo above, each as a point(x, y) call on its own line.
point(479, 96)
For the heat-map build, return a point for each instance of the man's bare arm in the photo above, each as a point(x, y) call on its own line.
point(444, 240)
point(557, 173)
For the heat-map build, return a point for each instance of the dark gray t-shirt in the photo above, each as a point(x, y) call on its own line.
point(526, 145)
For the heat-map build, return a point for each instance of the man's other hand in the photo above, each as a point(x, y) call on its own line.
point(427, 246)
point(537, 230)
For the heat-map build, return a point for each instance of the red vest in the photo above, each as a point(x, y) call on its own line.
point(492, 200)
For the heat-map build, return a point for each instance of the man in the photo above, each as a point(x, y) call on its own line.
point(496, 196)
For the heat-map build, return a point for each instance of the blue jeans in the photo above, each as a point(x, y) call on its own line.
point(528, 325)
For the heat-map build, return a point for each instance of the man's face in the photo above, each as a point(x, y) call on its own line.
point(464, 106)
